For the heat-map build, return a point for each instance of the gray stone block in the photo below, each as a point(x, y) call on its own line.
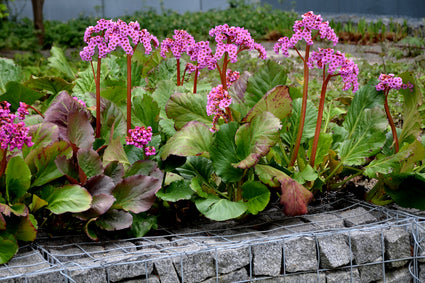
point(231, 259)
point(366, 245)
point(349, 276)
point(422, 272)
point(397, 246)
point(325, 221)
point(87, 275)
point(306, 278)
point(195, 266)
point(166, 271)
point(372, 272)
point(149, 279)
point(267, 258)
point(397, 276)
point(357, 216)
point(334, 251)
point(235, 276)
point(300, 254)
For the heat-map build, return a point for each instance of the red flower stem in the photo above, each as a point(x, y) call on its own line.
point(97, 82)
point(178, 72)
point(319, 119)
point(303, 108)
point(390, 120)
point(3, 153)
point(128, 94)
point(36, 110)
point(195, 81)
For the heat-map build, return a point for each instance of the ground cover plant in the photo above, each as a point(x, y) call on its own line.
point(149, 127)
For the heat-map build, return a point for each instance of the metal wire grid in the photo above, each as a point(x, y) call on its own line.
point(64, 260)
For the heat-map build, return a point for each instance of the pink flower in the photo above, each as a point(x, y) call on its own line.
point(388, 82)
point(218, 100)
point(303, 29)
point(231, 77)
point(202, 54)
point(178, 44)
point(335, 60)
point(22, 110)
point(140, 137)
point(82, 103)
point(12, 135)
point(233, 40)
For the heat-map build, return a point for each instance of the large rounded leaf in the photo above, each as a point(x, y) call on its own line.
point(89, 161)
point(115, 220)
point(177, 190)
point(18, 178)
point(254, 140)
point(69, 198)
point(80, 132)
point(220, 209)
point(136, 193)
point(257, 196)
point(223, 153)
point(192, 140)
point(8, 247)
point(186, 107)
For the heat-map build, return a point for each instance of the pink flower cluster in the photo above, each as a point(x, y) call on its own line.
point(303, 29)
point(348, 70)
point(106, 35)
point(388, 82)
point(140, 137)
point(178, 44)
point(13, 135)
point(218, 100)
point(82, 103)
point(233, 40)
point(201, 52)
point(231, 77)
point(22, 111)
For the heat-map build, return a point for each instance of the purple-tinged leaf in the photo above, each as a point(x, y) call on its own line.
point(276, 101)
point(136, 193)
point(238, 88)
point(26, 228)
point(115, 170)
point(115, 220)
point(36, 203)
point(194, 139)
point(2, 222)
point(18, 209)
point(112, 119)
point(100, 184)
point(145, 167)
point(43, 134)
point(69, 168)
point(89, 161)
point(58, 112)
point(115, 152)
point(101, 203)
point(254, 140)
point(90, 232)
point(80, 132)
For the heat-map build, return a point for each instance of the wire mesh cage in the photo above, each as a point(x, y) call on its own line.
point(344, 240)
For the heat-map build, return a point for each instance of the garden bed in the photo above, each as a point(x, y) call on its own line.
point(343, 239)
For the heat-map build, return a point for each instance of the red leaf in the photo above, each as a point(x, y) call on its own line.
point(294, 197)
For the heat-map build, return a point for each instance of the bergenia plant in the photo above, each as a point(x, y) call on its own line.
point(107, 35)
point(304, 30)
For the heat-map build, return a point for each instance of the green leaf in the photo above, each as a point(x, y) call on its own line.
point(364, 128)
point(223, 153)
point(294, 121)
point(325, 142)
point(410, 192)
point(69, 198)
point(115, 220)
point(163, 92)
point(193, 139)
point(18, 179)
point(142, 224)
point(186, 107)
point(142, 167)
point(257, 196)
point(136, 193)
point(178, 190)
point(276, 101)
point(115, 170)
point(115, 94)
point(146, 110)
point(271, 74)
point(89, 161)
point(8, 247)
point(85, 81)
point(220, 209)
point(58, 61)
point(254, 140)
point(115, 152)
point(112, 119)
point(26, 229)
point(80, 131)
point(16, 92)
point(43, 134)
point(412, 102)
point(90, 232)
point(9, 71)
point(308, 174)
point(42, 162)
point(36, 203)
point(52, 85)
point(197, 166)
